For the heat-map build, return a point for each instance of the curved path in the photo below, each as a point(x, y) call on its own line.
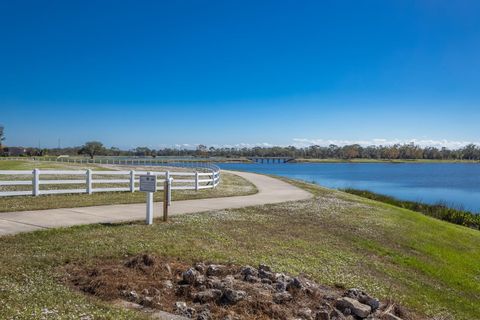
point(270, 190)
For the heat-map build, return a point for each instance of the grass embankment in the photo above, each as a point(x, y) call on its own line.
point(338, 239)
point(438, 211)
point(231, 185)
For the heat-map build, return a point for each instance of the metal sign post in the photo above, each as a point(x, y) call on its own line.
point(148, 184)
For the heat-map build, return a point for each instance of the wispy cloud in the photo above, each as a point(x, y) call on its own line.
point(452, 144)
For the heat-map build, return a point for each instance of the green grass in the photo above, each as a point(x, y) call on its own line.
point(429, 266)
point(30, 165)
point(230, 185)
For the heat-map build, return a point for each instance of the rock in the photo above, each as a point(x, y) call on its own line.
point(200, 267)
point(282, 297)
point(335, 314)
point(362, 297)
point(252, 279)
point(359, 309)
point(264, 267)
point(267, 281)
point(262, 274)
point(280, 286)
point(190, 276)
point(133, 295)
point(207, 295)
point(228, 281)
point(295, 283)
point(204, 315)
point(214, 270)
point(305, 313)
point(390, 316)
point(248, 271)
point(180, 305)
point(145, 292)
point(233, 296)
point(214, 283)
point(182, 309)
point(167, 284)
point(322, 315)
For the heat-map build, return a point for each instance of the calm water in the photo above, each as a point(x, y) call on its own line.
point(456, 184)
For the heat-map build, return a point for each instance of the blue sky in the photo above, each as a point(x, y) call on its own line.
point(166, 73)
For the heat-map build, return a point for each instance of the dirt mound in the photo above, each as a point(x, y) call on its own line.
point(214, 291)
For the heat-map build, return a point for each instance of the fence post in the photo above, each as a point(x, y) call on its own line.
point(36, 182)
point(89, 181)
point(213, 178)
point(196, 181)
point(132, 181)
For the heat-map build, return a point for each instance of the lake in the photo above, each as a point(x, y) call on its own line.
point(455, 184)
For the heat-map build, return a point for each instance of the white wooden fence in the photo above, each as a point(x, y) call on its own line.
point(84, 181)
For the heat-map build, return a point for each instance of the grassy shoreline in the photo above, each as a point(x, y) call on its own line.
point(438, 211)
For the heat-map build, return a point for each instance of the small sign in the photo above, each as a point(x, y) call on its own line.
point(148, 183)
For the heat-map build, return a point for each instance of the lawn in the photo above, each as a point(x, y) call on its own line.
point(231, 185)
point(337, 239)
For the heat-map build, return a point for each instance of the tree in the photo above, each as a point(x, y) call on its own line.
point(2, 137)
point(92, 148)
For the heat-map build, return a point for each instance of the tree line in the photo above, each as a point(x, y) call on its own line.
point(347, 152)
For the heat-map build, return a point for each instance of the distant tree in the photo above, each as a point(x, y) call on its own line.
point(2, 137)
point(92, 148)
point(201, 150)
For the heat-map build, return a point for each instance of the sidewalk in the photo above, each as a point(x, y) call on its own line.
point(270, 190)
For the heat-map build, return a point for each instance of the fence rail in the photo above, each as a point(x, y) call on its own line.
point(106, 181)
point(169, 162)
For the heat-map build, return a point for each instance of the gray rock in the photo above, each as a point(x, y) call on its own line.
point(264, 267)
point(280, 286)
point(179, 305)
point(359, 309)
point(363, 297)
point(233, 296)
point(390, 316)
point(208, 295)
point(204, 315)
point(167, 284)
point(262, 274)
point(282, 297)
point(249, 271)
point(322, 315)
point(200, 267)
point(190, 276)
point(133, 295)
point(305, 313)
point(214, 270)
point(252, 279)
point(295, 283)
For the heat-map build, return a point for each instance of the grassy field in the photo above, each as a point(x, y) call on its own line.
point(231, 185)
point(338, 239)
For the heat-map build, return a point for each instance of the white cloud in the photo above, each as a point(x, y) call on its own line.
point(451, 144)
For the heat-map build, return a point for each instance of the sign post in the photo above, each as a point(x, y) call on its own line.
point(148, 184)
point(167, 196)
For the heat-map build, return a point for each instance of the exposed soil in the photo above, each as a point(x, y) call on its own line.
point(211, 291)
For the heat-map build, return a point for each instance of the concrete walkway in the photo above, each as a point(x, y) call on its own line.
point(270, 190)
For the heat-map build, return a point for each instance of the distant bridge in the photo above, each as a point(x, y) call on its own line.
point(271, 159)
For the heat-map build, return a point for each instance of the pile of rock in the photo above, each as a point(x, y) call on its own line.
point(259, 292)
